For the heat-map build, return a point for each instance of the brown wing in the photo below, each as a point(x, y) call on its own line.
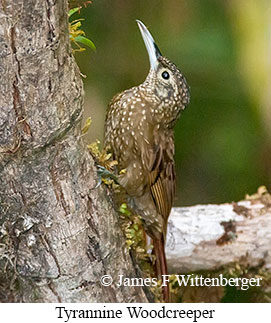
point(159, 161)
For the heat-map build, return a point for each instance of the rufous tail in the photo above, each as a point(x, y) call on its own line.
point(161, 265)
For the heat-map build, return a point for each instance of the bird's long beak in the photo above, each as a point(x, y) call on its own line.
point(152, 49)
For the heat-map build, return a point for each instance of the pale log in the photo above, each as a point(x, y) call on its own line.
point(207, 237)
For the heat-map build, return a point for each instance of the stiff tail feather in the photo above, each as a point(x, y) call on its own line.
point(161, 265)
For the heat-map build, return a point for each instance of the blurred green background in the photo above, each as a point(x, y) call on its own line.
point(223, 139)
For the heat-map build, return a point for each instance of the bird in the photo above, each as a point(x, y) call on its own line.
point(139, 133)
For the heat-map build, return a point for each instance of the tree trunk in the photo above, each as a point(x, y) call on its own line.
point(59, 234)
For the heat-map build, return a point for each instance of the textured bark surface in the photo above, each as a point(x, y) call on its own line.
point(207, 237)
point(59, 234)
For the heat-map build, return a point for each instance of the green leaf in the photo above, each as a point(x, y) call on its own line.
point(124, 209)
point(85, 41)
point(73, 10)
point(88, 122)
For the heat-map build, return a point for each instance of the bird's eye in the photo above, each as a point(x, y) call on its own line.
point(165, 75)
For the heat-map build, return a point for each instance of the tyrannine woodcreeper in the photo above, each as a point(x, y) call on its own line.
point(139, 132)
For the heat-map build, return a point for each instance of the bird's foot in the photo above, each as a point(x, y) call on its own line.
point(104, 175)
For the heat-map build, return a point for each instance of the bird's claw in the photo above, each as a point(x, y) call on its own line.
point(104, 173)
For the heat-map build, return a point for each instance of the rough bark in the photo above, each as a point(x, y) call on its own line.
point(208, 237)
point(59, 234)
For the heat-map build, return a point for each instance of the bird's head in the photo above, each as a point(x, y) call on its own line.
point(164, 80)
